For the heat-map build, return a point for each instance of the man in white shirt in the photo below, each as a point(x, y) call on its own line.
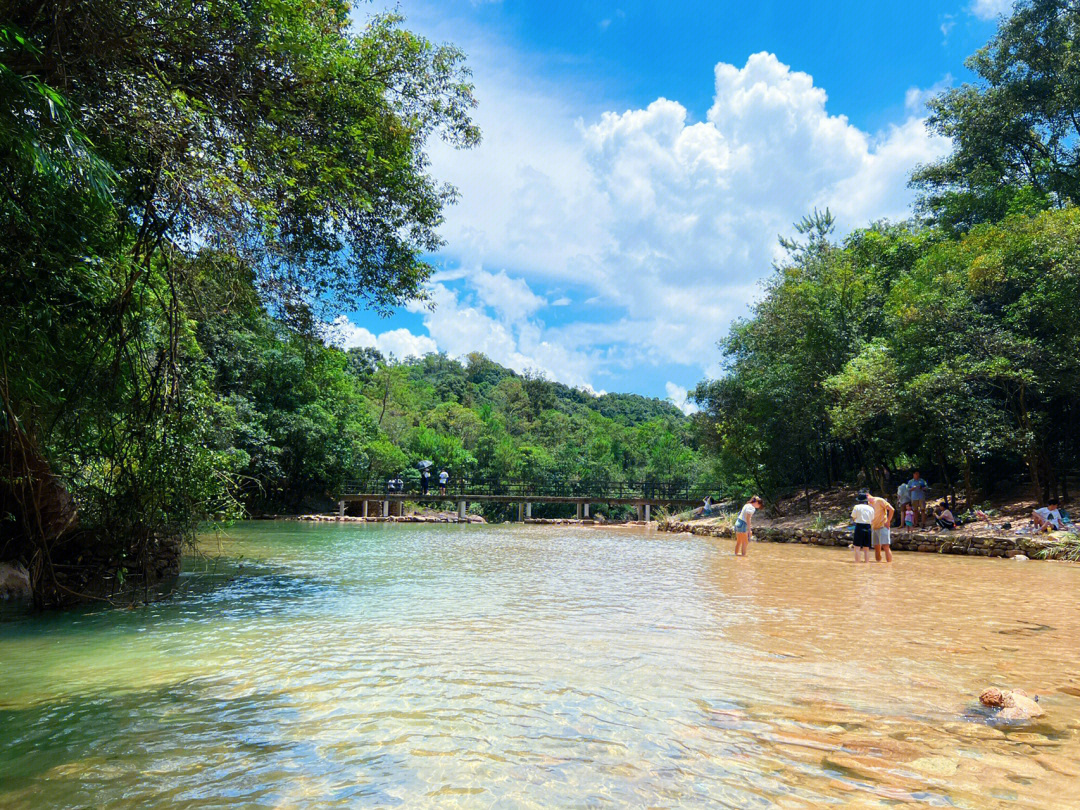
point(444, 476)
point(862, 515)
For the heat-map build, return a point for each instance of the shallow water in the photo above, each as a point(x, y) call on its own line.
point(468, 666)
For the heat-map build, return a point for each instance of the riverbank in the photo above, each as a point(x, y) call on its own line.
point(822, 517)
point(1030, 547)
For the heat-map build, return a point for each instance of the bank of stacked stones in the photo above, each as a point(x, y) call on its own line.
point(442, 517)
point(939, 543)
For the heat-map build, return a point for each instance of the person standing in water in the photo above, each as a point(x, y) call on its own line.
point(743, 528)
point(862, 515)
point(883, 515)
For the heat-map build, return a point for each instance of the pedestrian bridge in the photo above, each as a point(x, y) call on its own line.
point(377, 498)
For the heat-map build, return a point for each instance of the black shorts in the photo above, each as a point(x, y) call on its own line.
point(862, 535)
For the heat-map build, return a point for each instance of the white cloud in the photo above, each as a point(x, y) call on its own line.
point(460, 327)
point(676, 394)
point(664, 223)
point(991, 9)
point(947, 26)
point(399, 342)
point(670, 222)
point(510, 297)
point(561, 302)
point(916, 97)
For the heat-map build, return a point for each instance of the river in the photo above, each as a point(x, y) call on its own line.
point(410, 665)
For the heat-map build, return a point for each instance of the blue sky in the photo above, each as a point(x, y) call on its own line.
point(640, 159)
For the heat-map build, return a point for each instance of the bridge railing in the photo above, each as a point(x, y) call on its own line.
point(544, 488)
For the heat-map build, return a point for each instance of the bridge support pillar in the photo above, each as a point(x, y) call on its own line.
point(579, 511)
point(341, 509)
point(640, 511)
point(647, 510)
point(586, 511)
point(363, 509)
point(461, 507)
point(386, 508)
point(528, 510)
point(521, 513)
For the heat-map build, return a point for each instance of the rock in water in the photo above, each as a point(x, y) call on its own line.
point(14, 581)
point(1020, 707)
point(1012, 706)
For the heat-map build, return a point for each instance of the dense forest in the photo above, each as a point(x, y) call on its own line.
point(950, 342)
point(298, 419)
point(168, 170)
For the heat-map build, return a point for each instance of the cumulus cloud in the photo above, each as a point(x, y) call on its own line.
point(398, 342)
point(916, 97)
point(510, 297)
point(991, 9)
point(459, 326)
point(663, 222)
point(677, 395)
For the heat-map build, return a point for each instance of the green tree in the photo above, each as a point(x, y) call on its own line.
point(1015, 133)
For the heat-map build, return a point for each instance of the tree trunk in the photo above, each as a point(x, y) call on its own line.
point(1050, 488)
point(969, 490)
point(950, 490)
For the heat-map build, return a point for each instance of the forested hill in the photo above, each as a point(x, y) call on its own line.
point(477, 380)
point(298, 419)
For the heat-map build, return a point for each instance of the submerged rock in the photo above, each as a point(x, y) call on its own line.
point(14, 581)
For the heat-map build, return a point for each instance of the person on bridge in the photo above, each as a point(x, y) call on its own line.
point(425, 481)
point(743, 527)
point(444, 478)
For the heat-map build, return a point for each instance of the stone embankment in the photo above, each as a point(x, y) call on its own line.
point(936, 543)
point(445, 517)
point(583, 522)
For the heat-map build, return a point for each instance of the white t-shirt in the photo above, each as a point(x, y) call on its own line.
point(1051, 515)
point(443, 477)
point(863, 513)
point(747, 513)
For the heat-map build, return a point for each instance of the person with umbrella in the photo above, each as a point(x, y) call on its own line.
point(425, 476)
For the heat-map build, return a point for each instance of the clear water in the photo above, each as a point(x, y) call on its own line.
point(312, 666)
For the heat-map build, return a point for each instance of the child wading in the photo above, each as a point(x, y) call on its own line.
point(863, 516)
point(743, 529)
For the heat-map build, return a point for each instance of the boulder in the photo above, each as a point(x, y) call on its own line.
point(14, 581)
point(1012, 706)
point(1020, 706)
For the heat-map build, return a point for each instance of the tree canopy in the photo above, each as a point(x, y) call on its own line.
point(165, 165)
